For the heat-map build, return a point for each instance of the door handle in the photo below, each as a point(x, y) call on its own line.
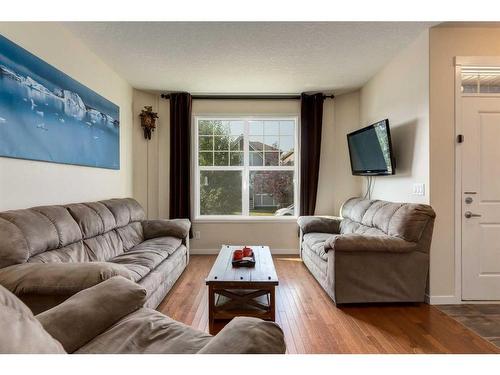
point(469, 214)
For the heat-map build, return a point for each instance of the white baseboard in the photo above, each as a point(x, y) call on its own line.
point(216, 251)
point(442, 300)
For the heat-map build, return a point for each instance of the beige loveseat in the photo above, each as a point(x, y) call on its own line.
point(109, 318)
point(377, 251)
point(49, 253)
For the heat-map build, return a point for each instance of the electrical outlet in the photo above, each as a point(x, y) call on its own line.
point(197, 235)
point(418, 189)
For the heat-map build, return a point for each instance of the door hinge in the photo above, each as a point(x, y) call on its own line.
point(460, 138)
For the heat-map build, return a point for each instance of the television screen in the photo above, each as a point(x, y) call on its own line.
point(371, 151)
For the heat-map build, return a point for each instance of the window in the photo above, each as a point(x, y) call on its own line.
point(480, 80)
point(245, 167)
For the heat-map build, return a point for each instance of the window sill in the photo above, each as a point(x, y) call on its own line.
point(245, 219)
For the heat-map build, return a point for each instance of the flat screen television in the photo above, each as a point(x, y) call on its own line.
point(370, 150)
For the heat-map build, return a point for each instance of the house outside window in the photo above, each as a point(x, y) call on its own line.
point(245, 167)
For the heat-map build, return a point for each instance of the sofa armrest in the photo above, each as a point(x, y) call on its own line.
point(58, 278)
point(160, 228)
point(247, 336)
point(359, 242)
point(92, 311)
point(319, 224)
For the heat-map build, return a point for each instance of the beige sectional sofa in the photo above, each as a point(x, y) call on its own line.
point(49, 253)
point(377, 251)
point(109, 318)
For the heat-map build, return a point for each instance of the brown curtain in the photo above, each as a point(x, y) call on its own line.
point(311, 121)
point(180, 156)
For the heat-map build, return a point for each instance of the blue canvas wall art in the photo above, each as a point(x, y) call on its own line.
point(46, 115)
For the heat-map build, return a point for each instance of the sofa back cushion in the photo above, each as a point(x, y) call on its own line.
point(20, 331)
point(26, 233)
point(80, 232)
point(128, 215)
point(376, 217)
point(93, 219)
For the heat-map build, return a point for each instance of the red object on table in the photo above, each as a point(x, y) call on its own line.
point(238, 254)
point(247, 251)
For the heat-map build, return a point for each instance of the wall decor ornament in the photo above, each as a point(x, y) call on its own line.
point(46, 115)
point(148, 121)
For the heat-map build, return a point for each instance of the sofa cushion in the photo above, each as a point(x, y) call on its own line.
point(165, 274)
point(125, 210)
point(355, 209)
point(76, 252)
point(104, 247)
point(245, 335)
point(90, 312)
point(20, 331)
point(150, 332)
point(131, 235)
point(66, 227)
point(352, 227)
point(39, 232)
point(410, 221)
point(92, 218)
point(58, 278)
point(13, 245)
point(316, 243)
point(149, 253)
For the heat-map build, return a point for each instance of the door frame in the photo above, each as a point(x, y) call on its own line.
point(463, 61)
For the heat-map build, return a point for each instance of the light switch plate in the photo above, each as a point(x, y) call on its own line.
point(418, 189)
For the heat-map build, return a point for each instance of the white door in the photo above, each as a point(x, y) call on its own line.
point(481, 198)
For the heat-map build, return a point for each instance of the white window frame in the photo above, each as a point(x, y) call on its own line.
point(245, 168)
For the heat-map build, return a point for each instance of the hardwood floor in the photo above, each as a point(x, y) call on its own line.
point(313, 324)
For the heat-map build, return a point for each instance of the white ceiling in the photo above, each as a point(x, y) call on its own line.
point(250, 57)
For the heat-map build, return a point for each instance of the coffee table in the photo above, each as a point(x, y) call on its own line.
point(241, 291)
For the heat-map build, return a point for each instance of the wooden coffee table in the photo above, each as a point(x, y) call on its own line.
point(241, 291)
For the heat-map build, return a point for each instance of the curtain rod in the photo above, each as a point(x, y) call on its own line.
point(246, 97)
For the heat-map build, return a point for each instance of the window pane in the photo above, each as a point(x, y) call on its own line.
point(221, 127)
point(236, 127)
point(256, 127)
point(221, 158)
point(220, 193)
point(287, 143)
point(236, 143)
point(236, 158)
point(287, 128)
point(489, 83)
point(221, 143)
point(271, 143)
point(205, 127)
point(271, 158)
point(271, 191)
point(271, 127)
point(205, 158)
point(256, 159)
point(256, 143)
point(287, 158)
point(206, 143)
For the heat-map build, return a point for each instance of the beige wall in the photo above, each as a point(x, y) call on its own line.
point(336, 182)
point(400, 92)
point(152, 161)
point(26, 183)
point(445, 44)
